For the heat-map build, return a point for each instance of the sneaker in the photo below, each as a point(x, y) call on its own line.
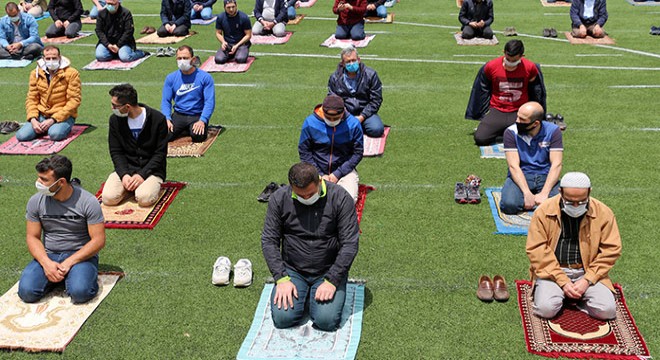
point(553, 32)
point(76, 181)
point(221, 271)
point(460, 193)
point(546, 32)
point(269, 190)
point(473, 194)
point(549, 117)
point(9, 127)
point(510, 31)
point(160, 52)
point(243, 273)
point(170, 52)
point(559, 121)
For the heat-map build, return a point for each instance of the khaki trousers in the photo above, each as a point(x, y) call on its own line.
point(350, 182)
point(146, 194)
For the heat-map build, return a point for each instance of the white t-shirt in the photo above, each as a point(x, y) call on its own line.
point(136, 124)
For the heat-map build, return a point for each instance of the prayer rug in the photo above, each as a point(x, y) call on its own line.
point(297, 20)
point(270, 39)
point(41, 145)
point(363, 190)
point(589, 40)
point(475, 41)
point(64, 39)
point(155, 39)
point(50, 324)
point(375, 146)
point(331, 42)
point(184, 147)
point(203, 22)
point(45, 15)
point(375, 19)
point(644, 3)
point(492, 152)
point(88, 20)
point(574, 334)
point(557, 3)
point(115, 64)
point(307, 4)
point(304, 342)
point(507, 224)
point(8, 63)
point(129, 215)
point(233, 67)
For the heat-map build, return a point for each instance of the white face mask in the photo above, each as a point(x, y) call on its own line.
point(52, 65)
point(511, 64)
point(45, 190)
point(184, 64)
point(15, 19)
point(332, 123)
point(575, 211)
point(312, 199)
point(117, 113)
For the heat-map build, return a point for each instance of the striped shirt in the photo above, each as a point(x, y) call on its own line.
point(568, 247)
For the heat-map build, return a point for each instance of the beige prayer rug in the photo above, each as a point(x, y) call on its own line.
point(297, 20)
point(557, 3)
point(589, 40)
point(184, 147)
point(475, 41)
point(64, 39)
point(155, 39)
point(375, 19)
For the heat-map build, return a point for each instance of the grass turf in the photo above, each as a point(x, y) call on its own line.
point(420, 252)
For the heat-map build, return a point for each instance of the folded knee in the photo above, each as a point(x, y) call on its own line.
point(548, 309)
point(29, 295)
point(326, 321)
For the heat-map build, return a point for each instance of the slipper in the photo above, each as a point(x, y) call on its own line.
point(149, 30)
point(144, 30)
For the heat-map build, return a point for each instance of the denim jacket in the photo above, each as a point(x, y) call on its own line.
point(27, 27)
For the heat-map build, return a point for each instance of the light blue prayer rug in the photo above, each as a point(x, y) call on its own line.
point(45, 15)
point(495, 151)
point(507, 224)
point(8, 63)
point(304, 342)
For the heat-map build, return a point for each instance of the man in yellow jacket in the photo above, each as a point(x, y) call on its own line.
point(53, 98)
point(572, 243)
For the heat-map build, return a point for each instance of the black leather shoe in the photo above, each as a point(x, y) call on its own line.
point(553, 32)
point(269, 190)
point(546, 32)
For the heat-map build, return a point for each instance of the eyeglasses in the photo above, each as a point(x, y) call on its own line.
point(116, 106)
point(575, 203)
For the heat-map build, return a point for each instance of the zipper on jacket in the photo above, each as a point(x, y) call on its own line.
point(332, 145)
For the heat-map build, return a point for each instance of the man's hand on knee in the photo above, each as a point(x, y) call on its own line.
point(284, 294)
point(570, 291)
point(325, 292)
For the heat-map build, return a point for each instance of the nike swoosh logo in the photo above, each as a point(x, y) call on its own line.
point(183, 92)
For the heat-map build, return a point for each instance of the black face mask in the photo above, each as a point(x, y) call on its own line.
point(523, 129)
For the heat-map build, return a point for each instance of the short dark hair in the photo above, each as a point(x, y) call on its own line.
point(60, 165)
point(514, 48)
point(125, 94)
point(51, 47)
point(186, 47)
point(302, 174)
point(11, 6)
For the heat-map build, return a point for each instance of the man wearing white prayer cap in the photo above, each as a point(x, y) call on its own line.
point(572, 243)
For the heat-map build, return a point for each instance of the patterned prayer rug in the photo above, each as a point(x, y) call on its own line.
point(115, 64)
point(64, 39)
point(375, 19)
point(8, 63)
point(184, 147)
point(304, 342)
point(203, 22)
point(331, 42)
point(507, 224)
point(475, 41)
point(644, 3)
point(233, 67)
point(492, 151)
point(589, 40)
point(297, 20)
point(558, 3)
point(88, 20)
point(129, 215)
point(50, 324)
point(155, 39)
point(270, 39)
point(363, 190)
point(375, 146)
point(41, 145)
point(307, 4)
point(574, 334)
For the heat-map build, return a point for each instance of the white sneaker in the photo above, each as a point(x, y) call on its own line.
point(221, 271)
point(243, 273)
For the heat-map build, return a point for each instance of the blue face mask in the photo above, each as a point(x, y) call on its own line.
point(352, 67)
point(111, 8)
point(15, 19)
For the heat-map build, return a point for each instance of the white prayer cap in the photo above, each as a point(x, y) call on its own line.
point(575, 180)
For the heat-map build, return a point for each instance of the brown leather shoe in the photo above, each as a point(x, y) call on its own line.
point(501, 293)
point(485, 289)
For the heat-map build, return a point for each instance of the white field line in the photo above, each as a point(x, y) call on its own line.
point(634, 87)
point(605, 55)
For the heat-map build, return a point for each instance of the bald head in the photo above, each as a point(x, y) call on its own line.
point(530, 112)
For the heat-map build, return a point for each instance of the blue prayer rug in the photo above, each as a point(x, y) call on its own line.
point(8, 63)
point(304, 342)
point(495, 151)
point(507, 224)
point(45, 15)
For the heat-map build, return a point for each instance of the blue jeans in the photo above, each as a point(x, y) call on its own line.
point(373, 126)
point(325, 315)
point(125, 54)
point(354, 32)
point(57, 131)
point(291, 12)
point(94, 11)
point(81, 281)
point(513, 200)
point(381, 12)
point(205, 14)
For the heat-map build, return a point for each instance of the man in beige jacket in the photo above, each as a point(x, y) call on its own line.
point(572, 243)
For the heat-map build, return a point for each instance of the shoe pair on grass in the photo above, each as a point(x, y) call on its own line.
point(222, 272)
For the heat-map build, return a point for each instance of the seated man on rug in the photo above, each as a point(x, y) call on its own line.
point(475, 17)
point(588, 18)
point(572, 243)
point(66, 17)
point(332, 140)
point(309, 254)
point(376, 8)
point(19, 35)
point(234, 31)
point(502, 85)
point(70, 222)
point(350, 20)
point(534, 152)
point(202, 9)
point(114, 28)
point(137, 141)
point(175, 16)
point(193, 92)
point(291, 7)
point(35, 8)
point(271, 17)
point(361, 89)
point(53, 98)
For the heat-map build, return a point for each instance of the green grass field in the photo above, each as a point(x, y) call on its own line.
point(420, 253)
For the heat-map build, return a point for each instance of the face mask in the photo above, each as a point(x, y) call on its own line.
point(575, 211)
point(52, 65)
point(45, 190)
point(184, 65)
point(111, 9)
point(312, 199)
point(332, 123)
point(352, 67)
point(117, 113)
point(511, 64)
point(15, 19)
point(523, 129)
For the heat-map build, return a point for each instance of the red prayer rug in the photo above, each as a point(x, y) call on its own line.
point(64, 39)
point(574, 334)
point(129, 215)
point(375, 146)
point(558, 3)
point(363, 190)
point(233, 67)
point(270, 39)
point(41, 145)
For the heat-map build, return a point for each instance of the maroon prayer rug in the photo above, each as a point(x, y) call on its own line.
point(363, 190)
point(232, 66)
point(574, 334)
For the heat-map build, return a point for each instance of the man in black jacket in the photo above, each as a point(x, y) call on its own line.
point(309, 241)
point(175, 16)
point(475, 17)
point(66, 17)
point(114, 28)
point(137, 139)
